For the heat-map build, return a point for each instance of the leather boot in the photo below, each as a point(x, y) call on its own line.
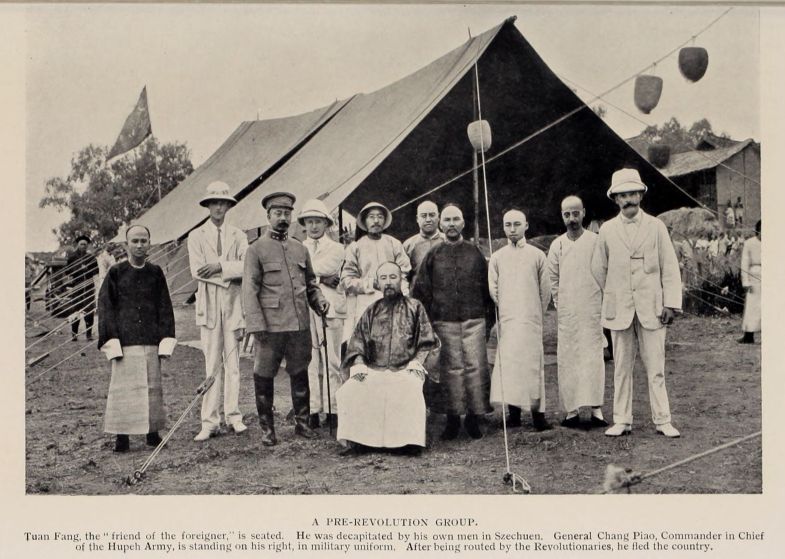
point(153, 438)
point(301, 402)
point(332, 420)
point(313, 421)
point(472, 425)
point(538, 419)
point(264, 406)
point(451, 427)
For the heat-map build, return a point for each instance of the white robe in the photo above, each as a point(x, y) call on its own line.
point(519, 285)
point(578, 300)
point(750, 278)
point(362, 258)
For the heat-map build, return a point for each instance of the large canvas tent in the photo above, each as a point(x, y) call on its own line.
point(400, 142)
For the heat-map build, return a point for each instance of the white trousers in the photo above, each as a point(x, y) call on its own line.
point(316, 378)
point(625, 349)
point(221, 352)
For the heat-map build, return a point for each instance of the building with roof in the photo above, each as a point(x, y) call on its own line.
point(718, 172)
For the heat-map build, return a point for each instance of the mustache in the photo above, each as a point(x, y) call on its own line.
point(630, 205)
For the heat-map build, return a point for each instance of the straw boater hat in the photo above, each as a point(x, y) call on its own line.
point(82, 238)
point(314, 208)
point(217, 191)
point(279, 200)
point(370, 206)
point(626, 180)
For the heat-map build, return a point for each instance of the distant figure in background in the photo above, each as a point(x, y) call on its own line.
point(714, 245)
point(135, 330)
point(452, 284)
point(381, 405)
point(363, 257)
point(82, 267)
point(751, 280)
point(417, 246)
point(730, 215)
point(105, 261)
point(327, 259)
point(635, 265)
point(578, 302)
point(520, 286)
point(739, 210)
point(216, 253)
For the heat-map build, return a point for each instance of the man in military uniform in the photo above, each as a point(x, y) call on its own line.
point(278, 286)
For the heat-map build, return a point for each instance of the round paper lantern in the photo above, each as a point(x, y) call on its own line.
point(479, 133)
point(659, 155)
point(647, 92)
point(693, 62)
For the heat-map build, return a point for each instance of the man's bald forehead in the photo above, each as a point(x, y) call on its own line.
point(427, 207)
point(382, 267)
point(572, 202)
point(513, 215)
point(136, 229)
point(452, 211)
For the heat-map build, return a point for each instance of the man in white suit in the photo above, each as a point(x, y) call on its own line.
point(636, 266)
point(216, 251)
point(327, 258)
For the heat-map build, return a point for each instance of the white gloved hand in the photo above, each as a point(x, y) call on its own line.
point(415, 367)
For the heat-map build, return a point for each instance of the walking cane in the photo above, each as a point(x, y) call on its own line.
point(139, 474)
point(327, 375)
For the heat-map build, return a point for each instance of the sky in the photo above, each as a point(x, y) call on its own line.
point(208, 68)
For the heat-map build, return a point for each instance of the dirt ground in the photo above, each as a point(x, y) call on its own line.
point(713, 383)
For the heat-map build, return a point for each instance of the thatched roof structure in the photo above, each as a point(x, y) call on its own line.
point(690, 222)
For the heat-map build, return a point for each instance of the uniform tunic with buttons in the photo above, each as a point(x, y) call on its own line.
point(278, 285)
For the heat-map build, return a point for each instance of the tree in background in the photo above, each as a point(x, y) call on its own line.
point(103, 197)
point(679, 138)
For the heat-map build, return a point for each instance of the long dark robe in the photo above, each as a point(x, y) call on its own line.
point(135, 308)
point(81, 268)
point(452, 284)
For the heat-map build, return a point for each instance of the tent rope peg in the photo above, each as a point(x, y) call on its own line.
point(136, 478)
point(519, 483)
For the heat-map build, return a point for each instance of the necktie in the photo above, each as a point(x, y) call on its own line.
point(218, 246)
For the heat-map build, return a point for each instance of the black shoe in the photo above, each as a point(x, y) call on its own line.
point(313, 421)
point(748, 338)
point(411, 450)
point(597, 422)
point(89, 336)
point(573, 422)
point(514, 419)
point(74, 338)
point(472, 425)
point(153, 439)
point(452, 428)
point(540, 424)
point(263, 387)
point(301, 402)
point(122, 443)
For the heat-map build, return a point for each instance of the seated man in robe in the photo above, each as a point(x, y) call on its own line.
point(381, 405)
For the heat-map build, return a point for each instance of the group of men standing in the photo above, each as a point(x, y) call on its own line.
point(405, 325)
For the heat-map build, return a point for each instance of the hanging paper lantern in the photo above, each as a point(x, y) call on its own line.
point(479, 133)
point(693, 62)
point(659, 155)
point(647, 92)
